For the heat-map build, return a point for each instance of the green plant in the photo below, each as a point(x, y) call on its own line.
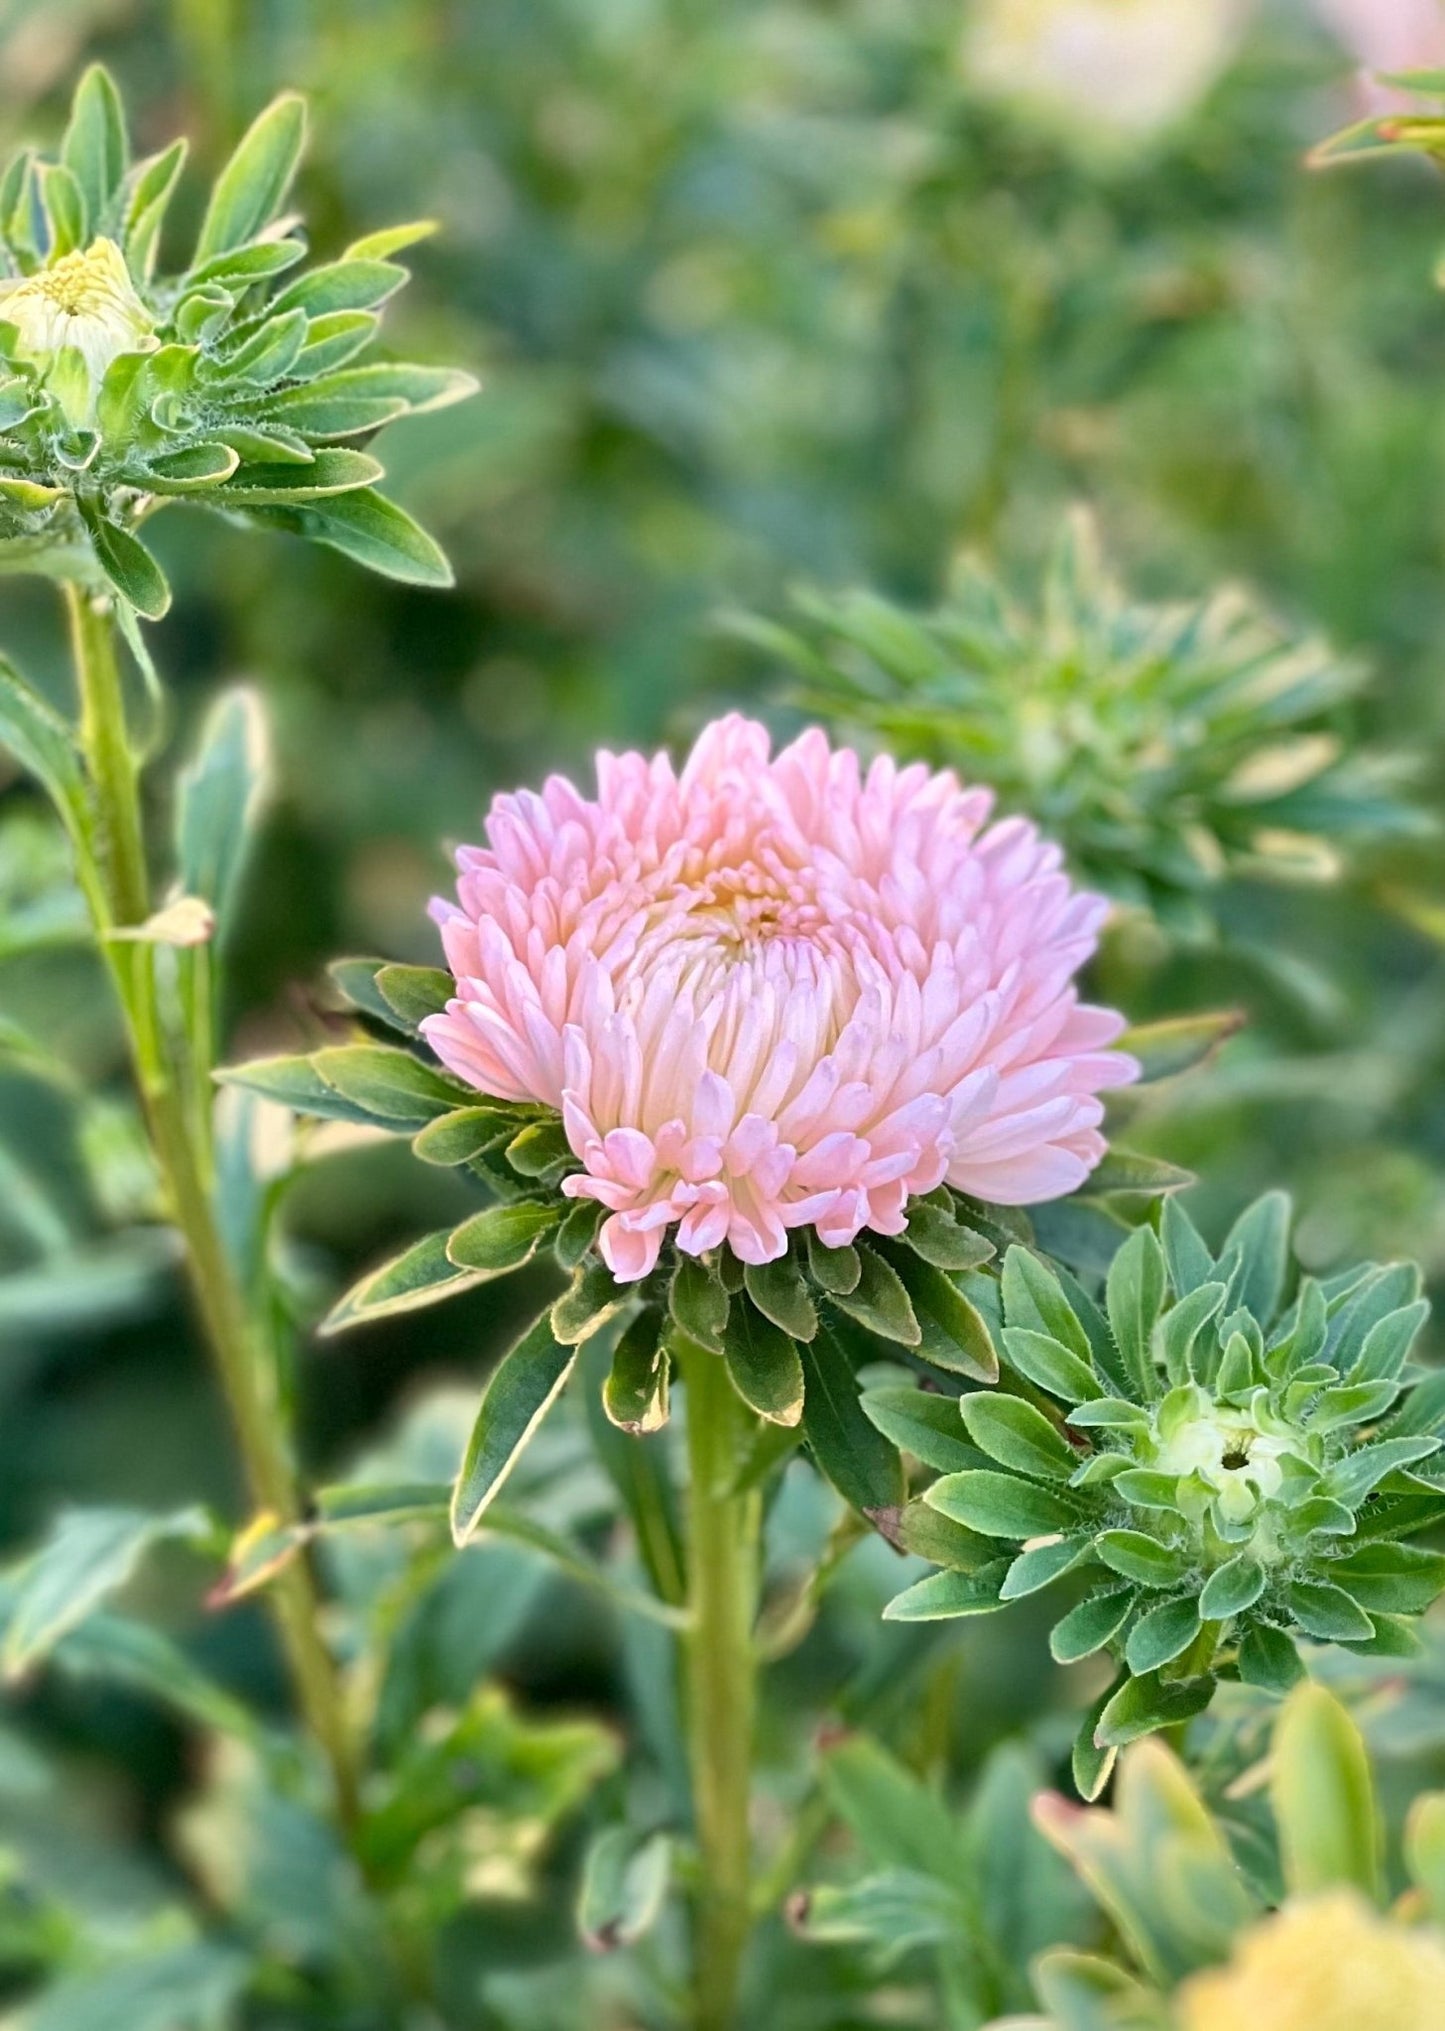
point(1227, 1467)
point(1167, 747)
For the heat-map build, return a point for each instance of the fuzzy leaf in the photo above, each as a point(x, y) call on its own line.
point(923, 1424)
point(522, 1389)
point(942, 1596)
point(880, 1301)
point(252, 187)
point(421, 1275)
point(635, 1393)
point(778, 1291)
point(698, 1303)
point(1049, 1365)
point(501, 1238)
point(1162, 1635)
point(848, 1448)
point(763, 1364)
point(1143, 1705)
point(1089, 1626)
point(1000, 1506)
point(1140, 1558)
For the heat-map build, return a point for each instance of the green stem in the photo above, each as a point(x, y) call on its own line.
point(723, 1554)
point(119, 888)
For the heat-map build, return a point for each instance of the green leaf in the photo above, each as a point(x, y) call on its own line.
point(95, 149)
point(1178, 1044)
point(415, 992)
point(635, 1394)
point(389, 1083)
point(522, 1389)
point(1125, 1173)
point(1162, 1635)
point(1391, 1579)
point(192, 470)
point(43, 744)
point(764, 1365)
point(955, 1335)
point(1018, 1436)
point(849, 1450)
point(942, 1596)
point(1232, 1588)
point(1049, 1365)
point(348, 284)
point(835, 1270)
point(1388, 1343)
point(999, 1506)
point(1324, 1803)
point(502, 1238)
point(295, 1083)
point(421, 1275)
point(1034, 1300)
point(191, 1987)
point(1350, 1480)
point(89, 1554)
point(1268, 1659)
point(1143, 1705)
point(880, 1302)
point(1042, 1564)
point(939, 1238)
point(897, 1820)
point(252, 187)
point(624, 1887)
point(128, 565)
point(1141, 1558)
point(219, 795)
point(1190, 1263)
point(1135, 1296)
point(780, 1294)
point(1327, 1613)
point(930, 1535)
point(149, 194)
point(1425, 1851)
point(331, 477)
point(592, 1299)
point(64, 203)
point(1093, 1761)
point(924, 1424)
point(540, 1150)
point(698, 1303)
point(372, 531)
point(1260, 1240)
point(1090, 1625)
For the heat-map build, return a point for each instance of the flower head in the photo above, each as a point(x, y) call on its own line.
point(775, 992)
point(85, 299)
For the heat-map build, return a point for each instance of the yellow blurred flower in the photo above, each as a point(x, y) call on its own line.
point(1107, 72)
point(1329, 1964)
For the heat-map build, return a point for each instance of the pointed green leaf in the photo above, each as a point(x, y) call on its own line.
point(1143, 1705)
point(924, 1424)
point(521, 1391)
point(764, 1365)
point(942, 1596)
point(848, 1448)
point(502, 1237)
point(252, 187)
point(1090, 1625)
point(880, 1302)
point(1323, 1799)
point(421, 1275)
point(1161, 1635)
point(780, 1294)
point(1000, 1506)
point(1018, 1436)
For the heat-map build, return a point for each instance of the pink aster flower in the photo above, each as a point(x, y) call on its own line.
point(769, 993)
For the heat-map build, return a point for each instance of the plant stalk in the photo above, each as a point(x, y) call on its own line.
point(724, 1530)
point(119, 888)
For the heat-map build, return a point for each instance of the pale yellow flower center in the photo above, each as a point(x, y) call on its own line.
point(85, 300)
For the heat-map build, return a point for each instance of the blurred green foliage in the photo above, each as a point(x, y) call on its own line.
point(761, 297)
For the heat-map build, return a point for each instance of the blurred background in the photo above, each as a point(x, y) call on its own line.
point(762, 297)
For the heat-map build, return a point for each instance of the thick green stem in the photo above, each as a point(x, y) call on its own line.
point(723, 1548)
point(119, 887)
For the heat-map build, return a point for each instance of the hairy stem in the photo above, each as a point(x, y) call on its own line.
point(723, 1544)
point(119, 888)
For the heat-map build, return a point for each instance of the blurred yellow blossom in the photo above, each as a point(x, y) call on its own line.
point(1330, 1964)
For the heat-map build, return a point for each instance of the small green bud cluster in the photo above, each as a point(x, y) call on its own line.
point(236, 382)
point(1226, 1472)
point(1165, 746)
